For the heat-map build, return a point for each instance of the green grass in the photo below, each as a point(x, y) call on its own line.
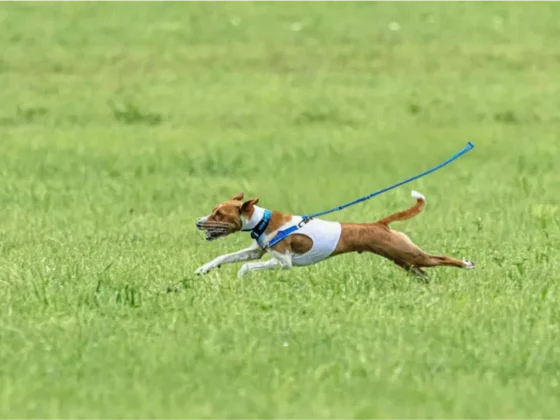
point(120, 123)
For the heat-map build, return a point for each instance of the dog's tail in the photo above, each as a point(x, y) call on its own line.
point(406, 214)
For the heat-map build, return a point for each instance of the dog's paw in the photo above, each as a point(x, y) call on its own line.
point(421, 274)
point(200, 271)
point(243, 271)
point(468, 264)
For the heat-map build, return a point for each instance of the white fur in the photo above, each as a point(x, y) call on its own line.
point(248, 254)
point(256, 217)
point(417, 195)
point(265, 265)
point(468, 264)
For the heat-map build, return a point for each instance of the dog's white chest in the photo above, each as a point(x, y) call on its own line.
point(325, 236)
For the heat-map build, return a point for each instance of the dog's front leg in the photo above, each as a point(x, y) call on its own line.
point(248, 254)
point(284, 261)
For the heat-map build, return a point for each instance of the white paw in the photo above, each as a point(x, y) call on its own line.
point(200, 271)
point(242, 271)
point(468, 264)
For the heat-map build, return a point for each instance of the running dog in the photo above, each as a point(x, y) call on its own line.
point(315, 240)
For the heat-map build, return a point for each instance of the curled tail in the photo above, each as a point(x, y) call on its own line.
point(406, 214)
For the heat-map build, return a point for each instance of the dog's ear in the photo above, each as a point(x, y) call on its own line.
point(247, 206)
point(238, 197)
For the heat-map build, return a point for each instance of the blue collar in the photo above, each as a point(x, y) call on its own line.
point(258, 230)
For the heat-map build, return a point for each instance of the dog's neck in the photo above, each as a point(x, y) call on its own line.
point(256, 217)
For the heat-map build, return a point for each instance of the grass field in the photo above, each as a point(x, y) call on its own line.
point(122, 123)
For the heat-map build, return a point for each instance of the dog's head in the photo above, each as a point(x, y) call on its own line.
point(226, 217)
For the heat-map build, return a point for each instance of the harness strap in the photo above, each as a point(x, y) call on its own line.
point(283, 234)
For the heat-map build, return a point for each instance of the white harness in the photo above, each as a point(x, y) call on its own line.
point(324, 235)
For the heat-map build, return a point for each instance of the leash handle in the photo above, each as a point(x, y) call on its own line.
point(456, 156)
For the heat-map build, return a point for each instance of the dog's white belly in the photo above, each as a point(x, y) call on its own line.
point(325, 236)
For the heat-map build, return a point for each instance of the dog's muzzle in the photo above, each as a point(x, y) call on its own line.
point(212, 232)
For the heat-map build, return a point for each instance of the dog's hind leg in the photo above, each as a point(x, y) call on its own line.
point(401, 248)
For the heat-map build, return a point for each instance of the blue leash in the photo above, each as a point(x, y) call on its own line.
point(283, 233)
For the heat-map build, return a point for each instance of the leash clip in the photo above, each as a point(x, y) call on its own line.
point(303, 222)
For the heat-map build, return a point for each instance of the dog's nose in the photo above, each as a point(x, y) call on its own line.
point(200, 222)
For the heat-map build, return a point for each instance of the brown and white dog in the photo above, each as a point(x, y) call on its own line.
point(315, 240)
